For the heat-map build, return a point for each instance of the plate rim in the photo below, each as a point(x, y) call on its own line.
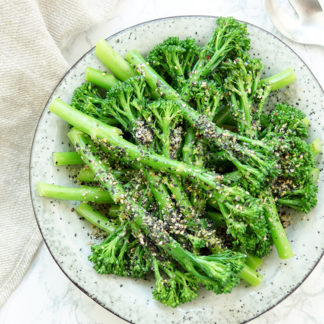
point(48, 100)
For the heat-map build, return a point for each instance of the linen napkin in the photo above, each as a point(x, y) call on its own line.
point(32, 35)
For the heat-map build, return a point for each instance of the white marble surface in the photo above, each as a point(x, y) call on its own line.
point(46, 295)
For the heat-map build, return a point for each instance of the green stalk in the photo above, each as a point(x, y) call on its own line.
point(175, 186)
point(224, 116)
point(101, 79)
point(281, 79)
point(115, 63)
point(114, 211)
point(90, 125)
point(86, 175)
point(187, 149)
point(95, 218)
point(246, 108)
point(253, 261)
point(89, 154)
point(188, 157)
point(315, 172)
point(250, 276)
point(217, 218)
point(316, 146)
point(213, 133)
point(133, 152)
point(159, 191)
point(232, 177)
point(66, 158)
point(140, 219)
point(275, 82)
point(153, 79)
point(83, 193)
point(278, 233)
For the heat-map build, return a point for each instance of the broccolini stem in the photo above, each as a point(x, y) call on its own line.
point(246, 106)
point(224, 116)
point(250, 276)
point(114, 211)
point(115, 63)
point(281, 79)
point(275, 82)
point(217, 218)
point(278, 233)
point(316, 146)
point(89, 154)
point(176, 188)
point(83, 193)
point(232, 177)
point(213, 133)
point(95, 218)
point(92, 126)
point(133, 152)
point(315, 174)
point(187, 149)
point(161, 163)
point(66, 158)
point(188, 157)
point(253, 261)
point(140, 219)
point(153, 79)
point(87, 175)
point(159, 191)
point(101, 79)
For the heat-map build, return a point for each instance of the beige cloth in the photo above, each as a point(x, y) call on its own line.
point(31, 36)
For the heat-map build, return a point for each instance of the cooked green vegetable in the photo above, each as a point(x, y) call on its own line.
point(188, 166)
point(217, 272)
point(82, 193)
point(174, 59)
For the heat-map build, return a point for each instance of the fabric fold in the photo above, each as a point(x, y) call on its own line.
point(33, 34)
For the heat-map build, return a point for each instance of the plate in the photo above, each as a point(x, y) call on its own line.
point(68, 237)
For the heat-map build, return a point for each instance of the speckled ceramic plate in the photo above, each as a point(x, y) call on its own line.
point(67, 236)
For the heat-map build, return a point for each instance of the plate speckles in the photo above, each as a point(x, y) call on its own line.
point(59, 224)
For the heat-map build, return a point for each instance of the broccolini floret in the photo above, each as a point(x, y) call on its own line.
point(173, 287)
point(302, 198)
point(295, 186)
point(287, 128)
point(89, 99)
point(229, 40)
point(118, 255)
point(287, 120)
point(245, 91)
point(125, 101)
point(205, 95)
point(174, 59)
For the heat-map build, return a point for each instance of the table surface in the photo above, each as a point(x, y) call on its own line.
point(45, 294)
